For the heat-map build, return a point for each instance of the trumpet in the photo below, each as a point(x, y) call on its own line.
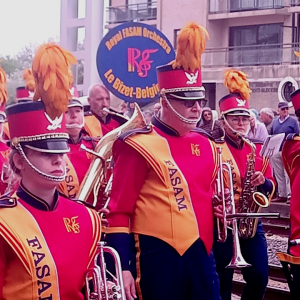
point(237, 260)
point(97, 285)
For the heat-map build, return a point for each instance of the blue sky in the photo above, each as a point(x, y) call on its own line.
point(24, 22)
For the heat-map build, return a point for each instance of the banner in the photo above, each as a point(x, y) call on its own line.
point(127, 58)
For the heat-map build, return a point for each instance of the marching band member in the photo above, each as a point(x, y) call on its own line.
point(290, 157)
point(234, 109)
point(42, 234)
point(162, 188)
point(97, 121)
point(77, 161)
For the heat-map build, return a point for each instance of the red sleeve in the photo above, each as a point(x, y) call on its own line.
point(129, 173)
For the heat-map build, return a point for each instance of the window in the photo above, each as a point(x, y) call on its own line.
point(238, 5)
point(249, 45)
point(176, 31)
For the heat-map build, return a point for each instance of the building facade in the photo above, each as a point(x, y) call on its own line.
point(256, 36)
point(81, 30)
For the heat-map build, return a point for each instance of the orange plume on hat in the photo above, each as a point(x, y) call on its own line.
point(236, 82)
point(3, 88)
point(191, 44)
point(50, 68)
point(29, 79)
point(71, 78)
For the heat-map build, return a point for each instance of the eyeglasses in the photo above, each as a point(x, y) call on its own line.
point(190, 103)
point(206, 115)
point(237, 120)
point(284, 108)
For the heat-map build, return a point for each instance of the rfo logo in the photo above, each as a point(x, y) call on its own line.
point(139, 60)
point(72, 225)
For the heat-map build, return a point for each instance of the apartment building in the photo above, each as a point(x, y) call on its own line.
point(256, 36)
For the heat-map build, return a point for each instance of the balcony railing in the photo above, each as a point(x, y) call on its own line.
point(139, 12)
point(295, 2)
point(226, 6)
point(275, 54)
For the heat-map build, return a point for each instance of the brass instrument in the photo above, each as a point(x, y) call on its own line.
point(251, 201)
point(95, 179)
point(237, 260)
point(97, 285)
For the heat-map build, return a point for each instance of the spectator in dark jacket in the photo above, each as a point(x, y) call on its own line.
point(211, 125)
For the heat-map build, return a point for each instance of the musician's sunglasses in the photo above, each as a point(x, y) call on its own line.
point(190, 103)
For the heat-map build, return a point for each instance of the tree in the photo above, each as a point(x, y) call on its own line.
point(10, 65)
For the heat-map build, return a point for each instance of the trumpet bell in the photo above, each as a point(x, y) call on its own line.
point(237, 262)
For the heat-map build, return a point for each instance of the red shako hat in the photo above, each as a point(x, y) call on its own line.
point(237, 101)
point(182, 77)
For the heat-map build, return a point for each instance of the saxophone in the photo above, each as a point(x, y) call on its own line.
point(251, 201)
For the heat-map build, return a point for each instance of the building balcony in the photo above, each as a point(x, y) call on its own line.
point(224, 9)
point(132, 12)
point(295, 2)
point(256, 55)
point(294, 6)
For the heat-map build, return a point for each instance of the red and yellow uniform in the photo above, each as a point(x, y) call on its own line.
point(38, 259)
point(162, 189)
point(78, 162)
point(290, 158)
point(236, 156)
point(183, 197)
point(157, 194)
point(96, 127)
point(291, 260)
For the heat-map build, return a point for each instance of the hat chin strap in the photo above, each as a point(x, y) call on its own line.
point(235, 132)
point(42, 174)
point(179, 116)
point(75, 125)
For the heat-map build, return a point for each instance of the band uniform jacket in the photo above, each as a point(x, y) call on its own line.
point(236, 156)
point(291, 162)
point(96, 127)
point(77, 165)
point(163, 187)
point(44, 254)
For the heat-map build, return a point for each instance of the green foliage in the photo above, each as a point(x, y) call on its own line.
point(10, 65)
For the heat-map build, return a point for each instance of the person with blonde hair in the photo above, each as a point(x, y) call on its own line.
point(47, 242)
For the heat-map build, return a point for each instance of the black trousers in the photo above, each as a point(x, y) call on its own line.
point(255, 253)
point(162, 274)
